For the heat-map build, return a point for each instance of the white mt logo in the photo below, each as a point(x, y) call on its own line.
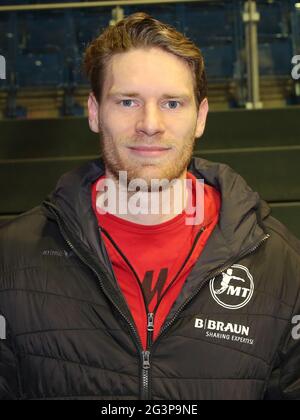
point(234, 288)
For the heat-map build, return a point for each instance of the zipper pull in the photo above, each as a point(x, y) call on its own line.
point(146, 360)
point(150, 329)
point(150, 326)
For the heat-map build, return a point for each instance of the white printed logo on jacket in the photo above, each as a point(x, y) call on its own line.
point(233, 288)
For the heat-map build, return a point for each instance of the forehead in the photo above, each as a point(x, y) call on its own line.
point(152, 70)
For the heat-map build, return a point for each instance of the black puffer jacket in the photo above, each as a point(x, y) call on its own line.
point(69, 332)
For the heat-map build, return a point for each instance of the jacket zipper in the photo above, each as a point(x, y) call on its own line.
point(150, 316)
point(144, 354)
point(150, 326)
point(146, 358)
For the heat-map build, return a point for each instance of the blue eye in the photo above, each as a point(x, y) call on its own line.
point(173, 103)
point(126, 102)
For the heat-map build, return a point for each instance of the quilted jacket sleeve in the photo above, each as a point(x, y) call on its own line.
point(284, 382)
point(8, 366)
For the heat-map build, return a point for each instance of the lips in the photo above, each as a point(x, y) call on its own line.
point(149, 148)
point(149, 151)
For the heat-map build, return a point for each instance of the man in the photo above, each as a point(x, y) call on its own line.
point(104, 303)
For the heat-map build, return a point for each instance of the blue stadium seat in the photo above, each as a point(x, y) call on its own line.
point(42, 30)
point(275, 57)
point(51, 43)
point(296, 30)
point(8, 35)
point(40, 70)
point(219, 61)
point(78, 74)
point(205, 25)
point(4, 33)
point(271, 19)
point(89, 24)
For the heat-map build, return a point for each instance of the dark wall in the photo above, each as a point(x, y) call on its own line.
point(263, 146)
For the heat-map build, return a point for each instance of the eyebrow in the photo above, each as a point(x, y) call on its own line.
point(164, 96)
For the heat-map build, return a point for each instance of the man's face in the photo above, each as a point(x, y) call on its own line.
point(147, 115)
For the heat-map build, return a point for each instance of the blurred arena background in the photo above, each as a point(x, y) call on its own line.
point(254, 123)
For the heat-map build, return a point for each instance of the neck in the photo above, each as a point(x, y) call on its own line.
point(144, 207)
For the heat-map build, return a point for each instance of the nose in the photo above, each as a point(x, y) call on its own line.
point(150, 121)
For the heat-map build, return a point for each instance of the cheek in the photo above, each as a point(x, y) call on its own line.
point(119, 125)
point(183, 133)
point(182, 123)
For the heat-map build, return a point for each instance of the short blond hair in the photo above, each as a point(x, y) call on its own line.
point(141, 30)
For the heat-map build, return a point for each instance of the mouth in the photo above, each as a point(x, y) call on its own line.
point(149, 150)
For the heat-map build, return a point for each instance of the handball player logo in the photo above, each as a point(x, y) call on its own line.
point(233, 289)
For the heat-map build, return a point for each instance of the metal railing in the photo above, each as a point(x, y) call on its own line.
point(251, 19)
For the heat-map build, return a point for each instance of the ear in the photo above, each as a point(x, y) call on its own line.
point(201, 119)
point(93, 111)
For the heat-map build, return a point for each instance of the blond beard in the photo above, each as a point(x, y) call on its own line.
point(171, 170)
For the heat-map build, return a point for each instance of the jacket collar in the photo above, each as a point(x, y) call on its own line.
point(242, 210)
point(240, 223)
